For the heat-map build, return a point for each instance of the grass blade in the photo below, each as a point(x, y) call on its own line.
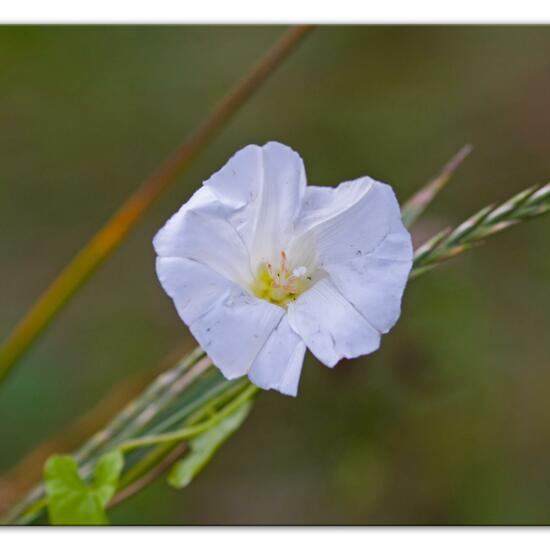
point(416, 205)
point(105, 241)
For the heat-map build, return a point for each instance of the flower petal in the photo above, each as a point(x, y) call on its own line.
point(265, 186)
point(362, 244)
point(230, 325)
point(350, 220)
point(330, 326)
point(279, 363)
point(166, 241)
point(321, 204)
point(200, 231)
point(375, 283)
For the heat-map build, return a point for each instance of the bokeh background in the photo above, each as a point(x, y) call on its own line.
point(449, 423)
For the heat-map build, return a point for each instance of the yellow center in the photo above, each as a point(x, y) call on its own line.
point(280, 285)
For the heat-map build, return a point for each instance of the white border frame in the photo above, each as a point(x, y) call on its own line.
point(279, 11)
point(275, 538)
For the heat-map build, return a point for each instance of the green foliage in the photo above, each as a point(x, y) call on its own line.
point(204, 446)
point(71, 501)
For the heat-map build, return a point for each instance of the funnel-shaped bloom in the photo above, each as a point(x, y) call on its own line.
point(260, 266)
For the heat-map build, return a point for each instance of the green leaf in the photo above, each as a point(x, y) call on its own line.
point(107, 473)
point(204, 446)
point(73, 502)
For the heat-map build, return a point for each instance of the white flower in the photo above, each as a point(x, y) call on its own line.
point(260, 265)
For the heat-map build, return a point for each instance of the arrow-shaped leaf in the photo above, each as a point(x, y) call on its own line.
point(73, 502)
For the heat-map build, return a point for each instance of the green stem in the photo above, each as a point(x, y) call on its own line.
point(192, 431)
point(211, 398)
point(144, 465)
point(125, 421)
point(154, 456)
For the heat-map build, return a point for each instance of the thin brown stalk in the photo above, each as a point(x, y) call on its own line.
point(173, 456)
point(416, 205)
point(117, 227)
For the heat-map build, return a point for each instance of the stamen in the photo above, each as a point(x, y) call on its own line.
point(281, 285)
point(284, 261)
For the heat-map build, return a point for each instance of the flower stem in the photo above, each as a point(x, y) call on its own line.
point(192, 431)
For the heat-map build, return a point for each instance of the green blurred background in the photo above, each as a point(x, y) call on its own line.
point(450, 421)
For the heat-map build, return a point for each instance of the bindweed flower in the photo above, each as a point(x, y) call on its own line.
point(260, 266)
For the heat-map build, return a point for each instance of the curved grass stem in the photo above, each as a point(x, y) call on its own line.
point(105, 241)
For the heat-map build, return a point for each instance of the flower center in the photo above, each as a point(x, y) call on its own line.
point(281, 284)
